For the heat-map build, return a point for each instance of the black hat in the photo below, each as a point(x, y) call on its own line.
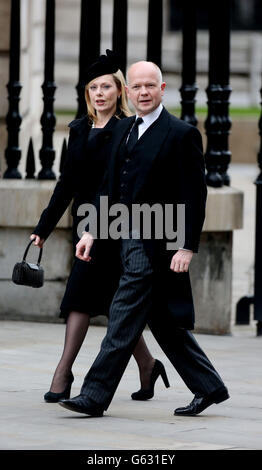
point(106, 64)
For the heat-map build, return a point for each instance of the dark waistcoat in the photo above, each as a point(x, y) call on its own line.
point(129, 165)
point(127, 169)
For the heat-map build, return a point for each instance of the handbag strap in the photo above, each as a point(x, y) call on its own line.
point(26, 251)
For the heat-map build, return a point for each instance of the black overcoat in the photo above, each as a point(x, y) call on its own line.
point(90, 286)
point(171, 170)
point(81, 175)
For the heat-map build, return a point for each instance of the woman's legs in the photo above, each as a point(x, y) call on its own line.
point(76, 329)
point(145, 362)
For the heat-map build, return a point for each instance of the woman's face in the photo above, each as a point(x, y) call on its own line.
point(103, 94)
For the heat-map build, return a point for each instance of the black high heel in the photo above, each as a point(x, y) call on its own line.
point(52, 397)
point(146, 394)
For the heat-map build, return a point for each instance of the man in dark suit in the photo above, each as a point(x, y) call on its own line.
point(155, 159)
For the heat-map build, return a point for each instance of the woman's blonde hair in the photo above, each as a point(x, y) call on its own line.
point(121, 105)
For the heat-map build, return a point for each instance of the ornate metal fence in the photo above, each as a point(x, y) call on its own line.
point(217, 124)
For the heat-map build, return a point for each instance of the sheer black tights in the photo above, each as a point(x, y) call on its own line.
point(76, 329)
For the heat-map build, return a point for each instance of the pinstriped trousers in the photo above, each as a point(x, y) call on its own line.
point(130, 310)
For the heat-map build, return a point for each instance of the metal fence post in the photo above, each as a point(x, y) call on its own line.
point(13, 118)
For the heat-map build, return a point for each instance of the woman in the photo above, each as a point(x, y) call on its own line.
point(91, 285)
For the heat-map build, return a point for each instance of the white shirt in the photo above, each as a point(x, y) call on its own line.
point(148, 119)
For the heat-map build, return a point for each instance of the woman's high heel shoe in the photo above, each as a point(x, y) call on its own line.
point(52, 397)
point(146, 394)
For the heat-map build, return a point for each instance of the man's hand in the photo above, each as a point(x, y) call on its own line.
point(181, 260)
point(83, 247)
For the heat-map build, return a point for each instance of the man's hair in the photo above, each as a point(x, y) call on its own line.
point(160, 77)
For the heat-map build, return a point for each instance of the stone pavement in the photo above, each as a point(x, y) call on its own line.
point(29, 352)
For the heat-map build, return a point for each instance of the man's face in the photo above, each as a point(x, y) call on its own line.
point(144, 89)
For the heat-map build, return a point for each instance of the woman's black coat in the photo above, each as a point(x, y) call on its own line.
point(82, 174)
point(91, 284)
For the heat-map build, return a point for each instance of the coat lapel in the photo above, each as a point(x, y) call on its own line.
point(149, 146)
point(79, 134)
point(81, 128)
point(79, 125)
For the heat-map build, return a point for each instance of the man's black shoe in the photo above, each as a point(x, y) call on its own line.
point(82, 404)
point(199, 404)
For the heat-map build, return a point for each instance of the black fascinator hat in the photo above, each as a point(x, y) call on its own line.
point(106, 64)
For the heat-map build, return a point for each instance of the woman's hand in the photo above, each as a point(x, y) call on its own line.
point(38, 241)
point(84, 246)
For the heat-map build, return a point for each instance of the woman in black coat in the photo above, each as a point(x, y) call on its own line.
point(91, 286)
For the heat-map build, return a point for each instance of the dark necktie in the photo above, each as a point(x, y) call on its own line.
point(133, 136)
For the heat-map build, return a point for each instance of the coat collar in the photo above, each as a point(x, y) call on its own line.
point(83, 123)
point(149, 148)
point(79, 124)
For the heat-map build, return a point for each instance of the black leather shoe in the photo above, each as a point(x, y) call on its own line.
point(146, 394)
point(82, 404)
point(199, 404)
point(51, 397)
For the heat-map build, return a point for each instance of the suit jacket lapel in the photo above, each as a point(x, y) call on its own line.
point(149, 146)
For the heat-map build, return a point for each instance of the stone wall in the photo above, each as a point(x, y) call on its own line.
point(211, 268)
point(244, 139)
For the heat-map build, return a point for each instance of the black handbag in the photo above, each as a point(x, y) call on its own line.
point(29, 274)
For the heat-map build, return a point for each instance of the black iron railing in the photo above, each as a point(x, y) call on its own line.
point(89, 50)
point(258, 246)
point(154, 31)
point(48, 119)
point(119, 42)
point(217, 124)
point(13, 118)
point(243, 306)
point(189, 88)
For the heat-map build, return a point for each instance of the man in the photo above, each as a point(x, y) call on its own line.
point(163, 165)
